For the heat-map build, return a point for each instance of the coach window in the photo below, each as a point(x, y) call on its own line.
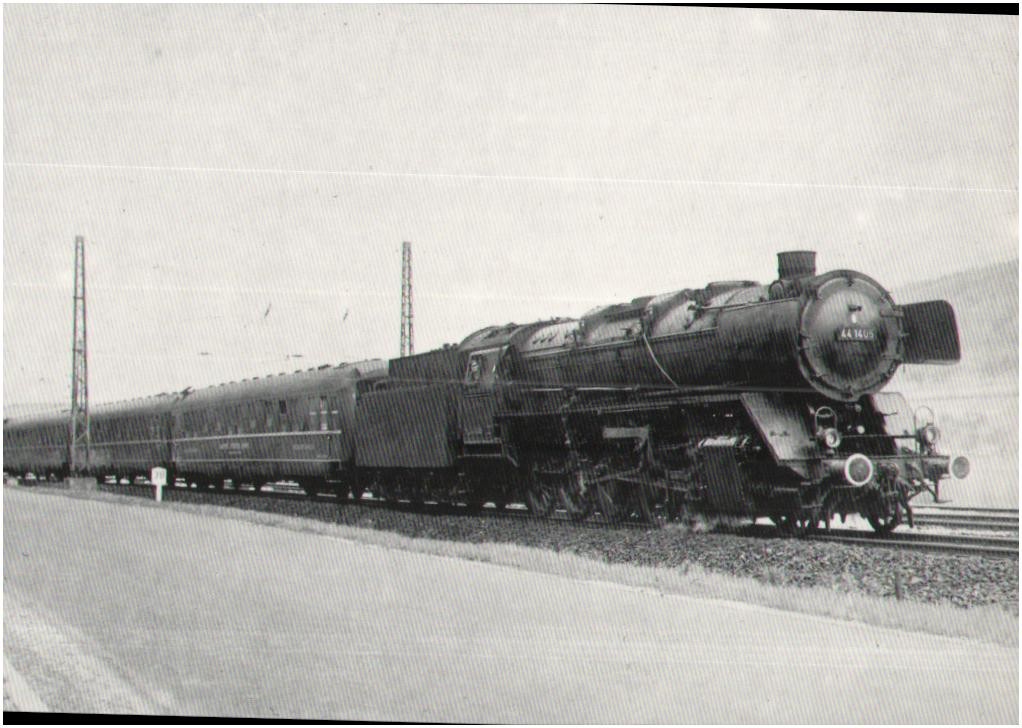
point(335, 414)
point(324, 414)
point(308, 422)
point(284, 425)
point(250, 410)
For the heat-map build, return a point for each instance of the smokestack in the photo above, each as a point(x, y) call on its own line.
point(795, 264)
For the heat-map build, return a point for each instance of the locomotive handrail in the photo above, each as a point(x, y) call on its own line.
point(110, 443)
point(240, 435)
point(652, 356)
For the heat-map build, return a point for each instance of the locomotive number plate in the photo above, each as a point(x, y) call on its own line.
point(856, 333)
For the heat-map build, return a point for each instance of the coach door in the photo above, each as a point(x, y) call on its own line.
point(479, 401)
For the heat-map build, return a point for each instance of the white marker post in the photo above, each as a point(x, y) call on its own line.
point(158, 477)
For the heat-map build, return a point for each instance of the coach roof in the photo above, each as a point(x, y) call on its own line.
point(283, 385)
point(155, 404)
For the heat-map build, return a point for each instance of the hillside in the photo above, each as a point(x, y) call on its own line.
point(986, 305)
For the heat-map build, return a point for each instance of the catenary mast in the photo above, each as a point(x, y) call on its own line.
point(407, 333)
point(78, 441)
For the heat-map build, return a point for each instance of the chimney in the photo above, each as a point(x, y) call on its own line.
point(795, 264)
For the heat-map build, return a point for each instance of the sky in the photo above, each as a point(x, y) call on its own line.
point(244, 176)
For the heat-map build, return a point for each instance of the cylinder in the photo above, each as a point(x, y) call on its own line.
point(794, 264)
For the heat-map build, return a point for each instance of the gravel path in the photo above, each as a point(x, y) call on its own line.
point(926, 577)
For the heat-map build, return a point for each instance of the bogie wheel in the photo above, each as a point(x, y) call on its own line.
point(794, 524)
point(884, 519)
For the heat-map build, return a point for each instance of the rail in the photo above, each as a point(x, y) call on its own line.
point(945, 529)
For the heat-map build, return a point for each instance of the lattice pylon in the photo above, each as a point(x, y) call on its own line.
point(79, 441)
point(407, 332)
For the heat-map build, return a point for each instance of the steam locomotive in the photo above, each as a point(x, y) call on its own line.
point(738, 398)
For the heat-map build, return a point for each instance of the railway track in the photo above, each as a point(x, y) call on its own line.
point(944, 529)
point(973, 519)
point(921, 541)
